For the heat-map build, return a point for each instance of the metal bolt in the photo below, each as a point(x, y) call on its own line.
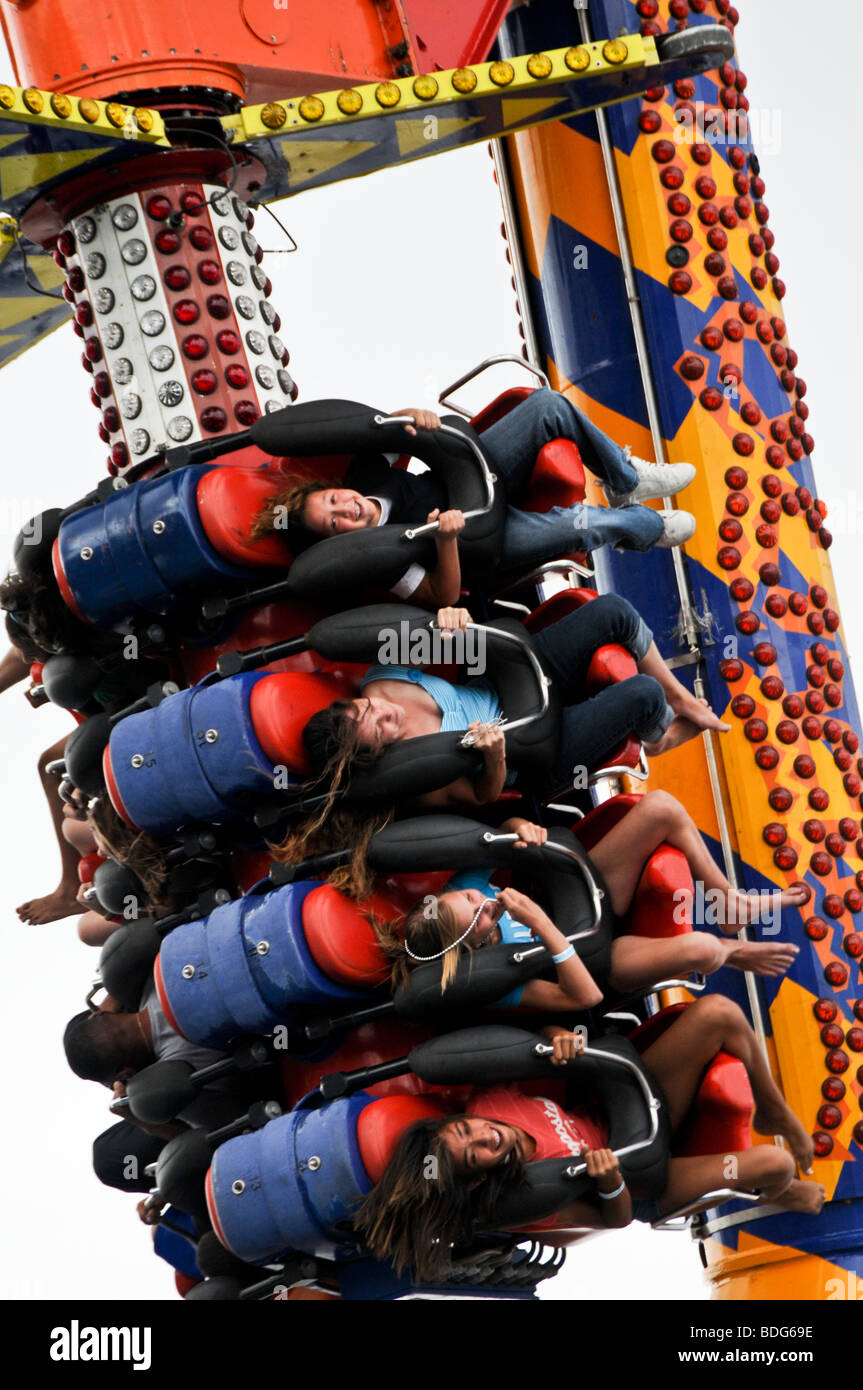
point(158, 527)
point(263, 948)
point(137, 760)
point(87, 552)
point(238, 1187)
point(313, 1164)
point(211, 735)
point(188, 972)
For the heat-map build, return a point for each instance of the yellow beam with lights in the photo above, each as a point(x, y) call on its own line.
point(63, 111)
point(517, 80)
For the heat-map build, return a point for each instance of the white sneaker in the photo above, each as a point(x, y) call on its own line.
point(654, 480)
point(679, 527)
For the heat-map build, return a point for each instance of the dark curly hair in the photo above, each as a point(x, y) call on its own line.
point(423, 1207)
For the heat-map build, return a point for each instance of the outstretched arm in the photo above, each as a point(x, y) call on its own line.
point(576, 987)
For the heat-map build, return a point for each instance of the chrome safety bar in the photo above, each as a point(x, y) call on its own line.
point(641, 772)
point(596, 893)
point(679, 1220)
point(542, 680)
point(481, 367)
point(653, 1103)
point(487, 476)
point(538, 575)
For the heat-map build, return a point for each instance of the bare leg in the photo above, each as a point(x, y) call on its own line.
point(62, 902)
point(679, 1057)
point(94, 929)
point(659, 819)
point(765, 1169)
point(639, 961)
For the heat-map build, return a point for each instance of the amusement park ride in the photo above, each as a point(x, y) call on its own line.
point(132, 155)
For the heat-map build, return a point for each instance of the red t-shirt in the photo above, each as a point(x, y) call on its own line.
point(558, 1133)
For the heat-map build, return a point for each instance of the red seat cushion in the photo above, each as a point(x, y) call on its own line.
point(654, 909)
point(500, 406)
point(285, 471)
point(228, 500)
point(342, 941)
point(626, 754)
point(557, 479)
point(608, 666)
point(720, 1119)
point(261, 626)
point(282, 705)
point(597, 823)
point(380, 1127)
point(369, 1044)
point(249, 866)
point(558, 606)
point(88, 864)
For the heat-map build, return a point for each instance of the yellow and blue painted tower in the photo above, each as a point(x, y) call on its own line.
point(656, 305)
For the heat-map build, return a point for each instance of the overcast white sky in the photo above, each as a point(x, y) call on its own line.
point(400, 284)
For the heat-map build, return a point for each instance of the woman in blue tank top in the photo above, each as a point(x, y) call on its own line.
point(471, 912)
point(403, 703)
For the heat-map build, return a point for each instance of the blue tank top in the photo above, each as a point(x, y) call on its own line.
point(510, 929)
point(459, 705)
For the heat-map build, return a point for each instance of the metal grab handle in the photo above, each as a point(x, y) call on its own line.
point(476, 371)
point(487, 476)
point(596, 893)
point(710, 1199)
point(537, 576)
point(575, 1170)
point(542, 679)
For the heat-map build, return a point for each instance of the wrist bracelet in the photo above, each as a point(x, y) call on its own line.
point(608, 1196)
point(564, 955)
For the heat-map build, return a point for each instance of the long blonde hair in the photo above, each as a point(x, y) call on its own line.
point(430, 927)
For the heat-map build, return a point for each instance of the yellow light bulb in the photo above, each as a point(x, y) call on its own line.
point(425, 87)
point(615, 51)
point(539, 65)
point(577, 59)
point(464, 80)
point(311, 108)
point(501, 74)
point(349, 102)
point(273, 116)
point(387, 94)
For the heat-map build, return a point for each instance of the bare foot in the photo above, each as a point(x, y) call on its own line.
point(802, 1196)
point(761, 957)
point(699, 713)
point(744, 908)
point(60, 903)
point(680, 730)
point(782, 1120)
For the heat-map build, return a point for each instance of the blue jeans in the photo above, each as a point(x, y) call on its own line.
point(593, 728)
point(532, 537)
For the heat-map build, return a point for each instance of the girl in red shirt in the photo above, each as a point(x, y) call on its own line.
point(446, 1177)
